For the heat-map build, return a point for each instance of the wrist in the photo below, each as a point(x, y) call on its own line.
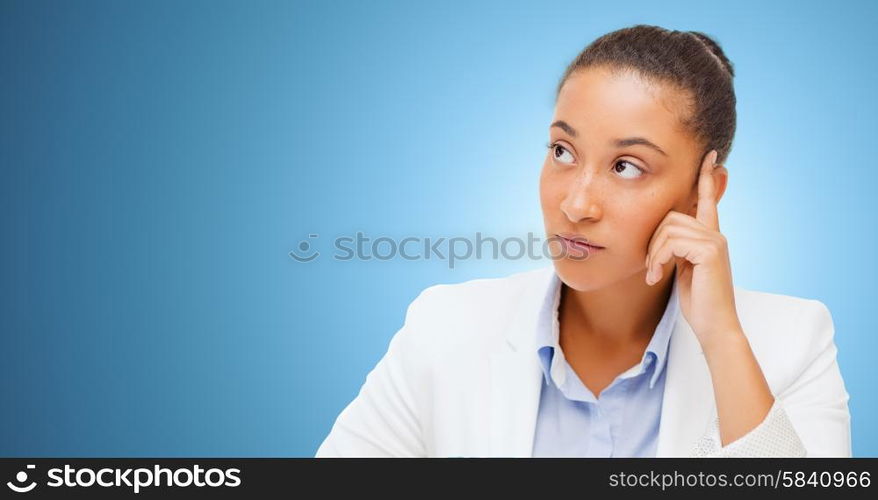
point(724, 341)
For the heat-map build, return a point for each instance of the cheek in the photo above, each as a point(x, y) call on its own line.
point(640, 218)
point(551, 189)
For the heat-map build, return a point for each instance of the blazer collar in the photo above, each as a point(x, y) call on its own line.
point(687, 406)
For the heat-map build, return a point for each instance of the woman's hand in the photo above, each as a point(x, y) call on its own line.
point(703, 272)
point(707, 299)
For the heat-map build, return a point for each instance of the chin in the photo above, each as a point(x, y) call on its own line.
point(581, 275)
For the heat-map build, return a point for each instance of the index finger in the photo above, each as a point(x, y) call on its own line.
point(706, 212)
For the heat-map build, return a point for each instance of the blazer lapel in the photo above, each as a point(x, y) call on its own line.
point(515, 396)
point(688, 405)
point(516, 376)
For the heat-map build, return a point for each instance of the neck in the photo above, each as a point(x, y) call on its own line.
point(625, 312)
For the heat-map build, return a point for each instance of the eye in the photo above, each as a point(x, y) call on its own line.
point(556, 148)
point(634, 172)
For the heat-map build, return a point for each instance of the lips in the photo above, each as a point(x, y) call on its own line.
point(580, 241)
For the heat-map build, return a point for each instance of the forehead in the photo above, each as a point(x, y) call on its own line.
point(600, 103)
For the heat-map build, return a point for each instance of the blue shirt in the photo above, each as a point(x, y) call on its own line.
point(624, 422)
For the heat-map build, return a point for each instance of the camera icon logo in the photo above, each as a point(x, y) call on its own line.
point(304, 247)
point(21, 478)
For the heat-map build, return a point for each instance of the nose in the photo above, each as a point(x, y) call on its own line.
point(582, 200)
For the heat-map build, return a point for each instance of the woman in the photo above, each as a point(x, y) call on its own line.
point(635, 342)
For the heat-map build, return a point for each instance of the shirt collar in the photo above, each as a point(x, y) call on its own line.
point(548, 329)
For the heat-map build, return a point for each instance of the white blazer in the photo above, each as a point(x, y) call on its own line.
point(461, 378)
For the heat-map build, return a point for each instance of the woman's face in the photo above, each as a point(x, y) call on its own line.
point(604, 183)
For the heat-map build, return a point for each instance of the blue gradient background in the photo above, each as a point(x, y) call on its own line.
point(160, 159)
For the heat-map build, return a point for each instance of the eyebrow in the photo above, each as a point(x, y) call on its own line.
point(619, 143)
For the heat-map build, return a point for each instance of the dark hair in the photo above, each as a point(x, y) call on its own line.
point(690, 60)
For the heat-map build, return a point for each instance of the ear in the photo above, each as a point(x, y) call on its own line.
point(720, 181)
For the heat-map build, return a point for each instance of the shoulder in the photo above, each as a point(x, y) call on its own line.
point(786, 332)
point(479, 293)
point(473, 310)
point(786, 315)
point(756, 302)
